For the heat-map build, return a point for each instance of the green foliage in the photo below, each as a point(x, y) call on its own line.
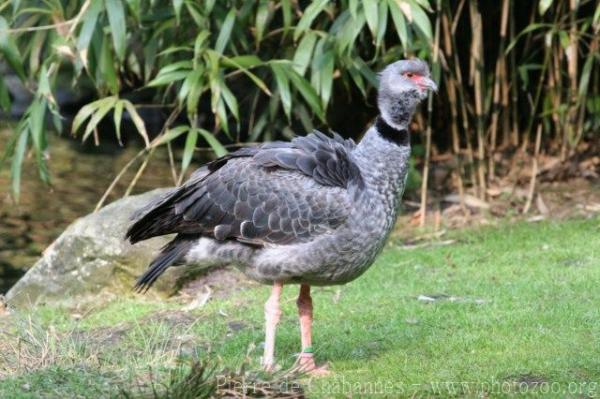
point(506, 305)
point(267, 58)
point(240, 71)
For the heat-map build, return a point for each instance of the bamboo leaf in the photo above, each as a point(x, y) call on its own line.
point(117, 116)
point(286, 10)
point(382, 22)
point(36, 121)
point(544, 5)
point(100, 113)
point(167, 78)
point(176, 49)
point(9, 49)
point(171, 73)
point(116, 20)
point(529, 28)
point(310, 13)
point(420, 19)
point(585, 75)
point(43, 89)
point(5, 102)
point(222, 115)
point(188, 150)
point(17, 162)
point(107, 68)
point(426, 4)
point(86, 111)
point(283, 84)
point(303, 53)
point(186, 64)
point(196, 88)
point(200, 44)
point(185, 89)
point(399, 22)
point(349, 32)
point(88, 27)
point(262, 15)
point(213, 142)
point(37, 114)
point(371, 14)
point(177, 4)
point(353, 6)
point(35, 52)
point(365, 71)
point(170, 135)
point(326, 77)
point(225, 32)
point(245, 61)
point(257, 81)
point(563, 37)
point(198, 18)
point(137, 121)
point(9, 148)
point(230, 100)
point(307, 92)
point(358, 80)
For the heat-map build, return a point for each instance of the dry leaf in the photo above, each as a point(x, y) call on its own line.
point(470, 201)
point(200, 300)
point(494, 191)
point(541, 205)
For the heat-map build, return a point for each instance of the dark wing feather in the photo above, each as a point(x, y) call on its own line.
point(277, 193)
point(326, 159)
point(170, 255)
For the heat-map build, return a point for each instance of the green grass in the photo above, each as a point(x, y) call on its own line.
point(516, 312)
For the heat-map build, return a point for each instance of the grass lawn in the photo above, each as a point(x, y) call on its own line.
point(502, 312)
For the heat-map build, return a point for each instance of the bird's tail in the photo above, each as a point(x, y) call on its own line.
point(171, 254)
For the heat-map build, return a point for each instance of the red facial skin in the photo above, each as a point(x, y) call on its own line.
point(418, 79)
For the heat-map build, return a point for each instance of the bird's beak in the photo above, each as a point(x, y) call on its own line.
point(427, 84)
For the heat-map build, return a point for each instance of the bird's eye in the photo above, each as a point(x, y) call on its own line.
point(409, 75)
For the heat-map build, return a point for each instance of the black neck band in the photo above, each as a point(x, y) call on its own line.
point(397, 136)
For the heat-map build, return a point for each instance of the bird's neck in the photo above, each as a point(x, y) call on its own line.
point(397, 135)
point(383, 155)
point(397, 110)
point(383, 142)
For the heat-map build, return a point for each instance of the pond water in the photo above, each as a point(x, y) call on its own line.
point(80, 175)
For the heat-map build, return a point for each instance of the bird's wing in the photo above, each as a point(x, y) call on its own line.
point(327, 160)
point(277, 193)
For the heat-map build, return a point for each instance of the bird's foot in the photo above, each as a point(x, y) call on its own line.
point(306, 364)
point(269, 367)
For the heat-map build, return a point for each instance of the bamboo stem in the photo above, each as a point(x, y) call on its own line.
point(462, 101)
point(477, 81)
point(499, 82)
point(451, 89)
point(534, 169)
point(436, 47)
point(572, 64)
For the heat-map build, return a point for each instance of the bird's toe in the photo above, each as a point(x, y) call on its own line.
point(306, 364)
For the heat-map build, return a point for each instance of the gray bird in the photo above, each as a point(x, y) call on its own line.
point(313, 211)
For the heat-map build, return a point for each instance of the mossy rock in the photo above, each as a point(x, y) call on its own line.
point(92, 255)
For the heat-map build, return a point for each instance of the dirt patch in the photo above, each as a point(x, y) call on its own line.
point(101, 337)
point(172, 317)
point(553, 200)
point(222, 283)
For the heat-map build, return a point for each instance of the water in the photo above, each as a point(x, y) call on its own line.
point(80, 175)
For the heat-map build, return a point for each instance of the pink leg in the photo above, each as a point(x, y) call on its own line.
point(306, 360)
point(272, 315)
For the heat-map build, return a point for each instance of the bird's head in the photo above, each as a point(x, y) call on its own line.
point(402, 86)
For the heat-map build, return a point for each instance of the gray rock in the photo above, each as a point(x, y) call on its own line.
point(91, 255)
